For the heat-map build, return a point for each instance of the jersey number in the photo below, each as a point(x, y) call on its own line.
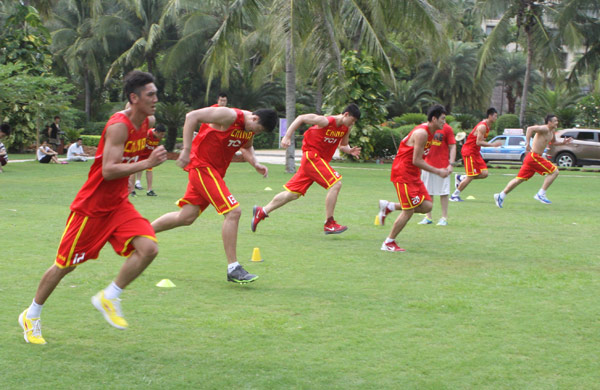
point(416, 200)
point(330, 140)
point(129, 160)
point(235, 143)
point(78, 257)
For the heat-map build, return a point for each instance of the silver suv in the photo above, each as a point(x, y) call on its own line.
point(584, 149)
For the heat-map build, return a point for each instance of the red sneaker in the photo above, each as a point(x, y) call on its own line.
point(258, 214)
point(333, 228)
point(391, 247)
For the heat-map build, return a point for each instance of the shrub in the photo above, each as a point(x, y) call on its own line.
point(467, 121)
point(265, 140)
point(588, 108)
point(385, 142)
point(411, 118)
point(91, 140)
point(507, 121)
point(93, 128)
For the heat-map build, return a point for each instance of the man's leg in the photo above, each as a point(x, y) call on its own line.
point(260, 213)
point(107, 301)
point(390, 242)
point(149, 180)
point(549, 179)
point(331, 199)
point(30, 318)
point(184, 217)
point(429, 212)
point(444, 204)
point(499, 198)
point(235, 272)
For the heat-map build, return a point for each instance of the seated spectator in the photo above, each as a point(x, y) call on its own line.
point(75, 151)
point(4, 132)
point(45, 154)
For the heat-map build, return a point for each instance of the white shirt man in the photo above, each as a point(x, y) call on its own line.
point(75, 152)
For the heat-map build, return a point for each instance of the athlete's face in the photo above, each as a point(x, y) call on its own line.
point(348, 120)
point(253, 125)
point(553, 123)
point(492, 118)
point(146, 100)
point(438, 123)
point(222, 101)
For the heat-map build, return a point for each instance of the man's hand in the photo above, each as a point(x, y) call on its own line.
point(497, 144)
point(568, 140)
point(183, 160)
point(355, 151)
point(262, 170)
point(158, 156)
point(285, 142)
point(444, 172)
point(450, 169)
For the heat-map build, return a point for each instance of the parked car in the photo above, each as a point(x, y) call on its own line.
point(584, 149)
point(512, 149)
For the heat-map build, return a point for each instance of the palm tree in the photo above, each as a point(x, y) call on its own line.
point(510, 69)
point(529, 17)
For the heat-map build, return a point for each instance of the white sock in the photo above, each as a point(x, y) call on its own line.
point(35, 310)
point(388, 240)
point(456, 193)
point(391, 206)
point(138, 183)
point(542, 192)
point(112, 291)
point(502, 195)
point(231, 267)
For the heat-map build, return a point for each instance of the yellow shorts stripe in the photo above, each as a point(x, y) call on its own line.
point(69, 259)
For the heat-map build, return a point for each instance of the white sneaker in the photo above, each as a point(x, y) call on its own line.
point(138, 185)
point(383, 211)
point(457, 179)
point(542, 198)
point(442, 222)
point(426, 221)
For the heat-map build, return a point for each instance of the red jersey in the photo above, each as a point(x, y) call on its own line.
point(470, 148)
point(215, 148)
point(203, 126)
point(403, 169)
point(99, 196)
point(324, 140)
point(439, 154)
point(152, 142)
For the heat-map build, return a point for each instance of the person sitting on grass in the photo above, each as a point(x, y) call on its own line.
point(46, 155)
point(4, 132)
point(76, 152)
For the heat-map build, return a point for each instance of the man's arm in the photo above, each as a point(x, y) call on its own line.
point(481, 138)
point(419, 141)
point(452, 157)
point(309, 119)
point(113, 166)
point(344, 147)
point(222, 116)
point(248, 154)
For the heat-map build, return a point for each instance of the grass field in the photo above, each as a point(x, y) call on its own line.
point(498, 299)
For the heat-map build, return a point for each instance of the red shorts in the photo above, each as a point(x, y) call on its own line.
point(206, 186)
point(474, 165)
point(533, 163)
point(411, 195)
point(312, 169)
point(85, 236)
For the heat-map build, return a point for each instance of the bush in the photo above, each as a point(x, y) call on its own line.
point(467, 121)
point(91, 140)
point(411, 118)
point(507, 121)
point(265, 140)
point(588, 111)
point(93, 128)
point(72, 134)
point(385, 142)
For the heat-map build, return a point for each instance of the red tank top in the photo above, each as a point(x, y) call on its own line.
point(403, 169)
point(99, 196)
point(324, 141)
point(152, 142)
point(470, 147)
point(214, 148)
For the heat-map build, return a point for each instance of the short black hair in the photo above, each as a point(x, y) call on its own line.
point(160, 128)
point(266, 118)
point(549, 117)
point(353, 110)
point(56, 117)
point(79, 139)
point(491, 111)
point(134, 81)
point(435, 111)
point(5, 128)
point(223, 94)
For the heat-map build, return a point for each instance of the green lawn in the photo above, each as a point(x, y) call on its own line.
point(498, 299)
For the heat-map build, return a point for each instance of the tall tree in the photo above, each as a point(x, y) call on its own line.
point(529, 18)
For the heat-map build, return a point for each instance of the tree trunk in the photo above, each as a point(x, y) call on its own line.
point(88, 95)
point(526, 81)
point(290, 102)
point(511, 99)
point(171, 138)
point(319, 95)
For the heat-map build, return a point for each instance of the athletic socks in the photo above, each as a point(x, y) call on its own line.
point(391, 206)
point(502, 195)
point(112, 291)
point(456, 193)
point(388, 240)
point(231, 267)
point(35, 310)
point(542, 192)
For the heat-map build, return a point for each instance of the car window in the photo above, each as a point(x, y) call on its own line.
point(501, 139)
point(516, 141)
point(585, 136)
point(572, 134)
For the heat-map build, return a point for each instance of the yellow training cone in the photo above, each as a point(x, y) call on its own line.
point(165, 283)
point(376, 220)
point(268, 189)
point(256, 255)
point(471, 197)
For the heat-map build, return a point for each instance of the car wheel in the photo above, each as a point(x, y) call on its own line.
point(565, 160)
